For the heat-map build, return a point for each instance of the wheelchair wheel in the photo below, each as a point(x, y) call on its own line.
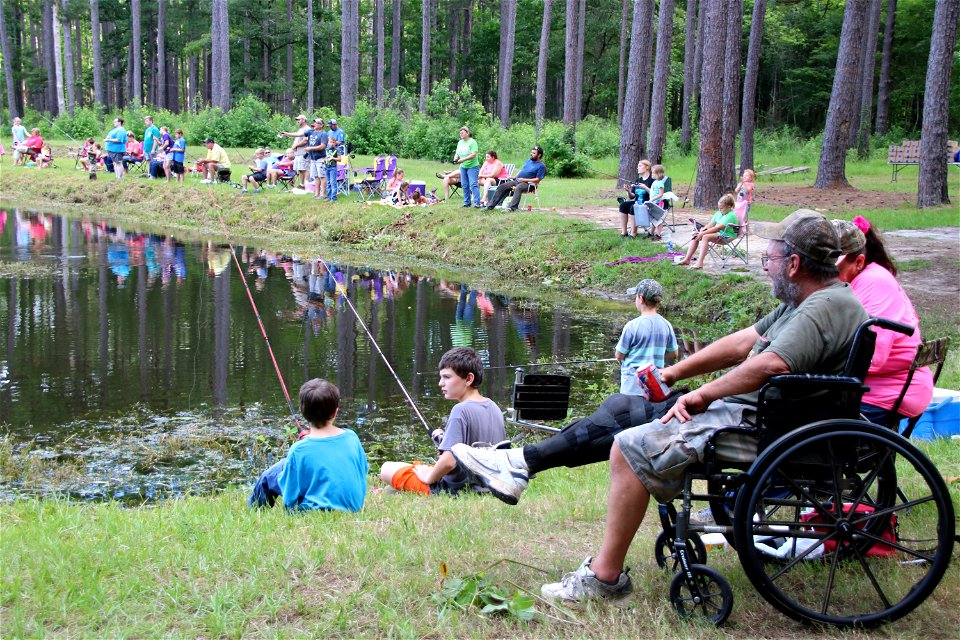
point(823, 536)
point(664, 553)
point(706, 594)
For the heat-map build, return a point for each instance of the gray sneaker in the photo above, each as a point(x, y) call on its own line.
point(583, 585)
point(702, 517)
point(503, 471)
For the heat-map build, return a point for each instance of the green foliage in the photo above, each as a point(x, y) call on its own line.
point(84, 123)
point(475, 591)
point(598, 138)
point(558, 150)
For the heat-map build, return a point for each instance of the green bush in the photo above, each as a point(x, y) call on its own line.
point(84, 123)
point(558, 152)
point(598, 138)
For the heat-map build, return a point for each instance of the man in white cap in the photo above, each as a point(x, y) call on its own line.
point(810, 332)
point(299, 142)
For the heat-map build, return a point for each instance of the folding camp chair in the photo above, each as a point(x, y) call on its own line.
point(343, 180)
point(137, 166)
point(737, 247)
point(285, 180)
point(369, 181)
point(391, 168)
point(539, 396)
point(929, 353)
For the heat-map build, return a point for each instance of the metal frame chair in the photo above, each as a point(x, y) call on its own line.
point(731, 249)
point(929, 353)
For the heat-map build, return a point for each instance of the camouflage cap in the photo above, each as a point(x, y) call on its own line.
point(852, 239)
point(648, 289)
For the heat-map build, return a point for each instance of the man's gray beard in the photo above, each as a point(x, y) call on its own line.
point(784, 290)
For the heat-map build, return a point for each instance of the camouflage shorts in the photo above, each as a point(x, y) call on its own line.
point(660, 453)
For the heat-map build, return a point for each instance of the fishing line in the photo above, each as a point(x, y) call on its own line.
point(342, 288)
point(256, 313)
point(610, 175)
point(537, 364)
point(52, 124)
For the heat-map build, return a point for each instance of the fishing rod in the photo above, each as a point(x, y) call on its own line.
point(301, 430)
point(610, 175)
point(54, 125)
point(342, 288)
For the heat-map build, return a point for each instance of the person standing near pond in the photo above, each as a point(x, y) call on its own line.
point(326, 469)
point(19, 133)
point(646, 339)
point(116, 142)
point(466, 157)
point(151, 138)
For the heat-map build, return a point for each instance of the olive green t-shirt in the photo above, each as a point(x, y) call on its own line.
point(814, 337)
point(465, 148)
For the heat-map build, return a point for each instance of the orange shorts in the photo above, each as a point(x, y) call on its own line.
point(406, 480)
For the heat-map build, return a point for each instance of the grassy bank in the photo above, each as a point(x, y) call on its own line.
point(210, 567)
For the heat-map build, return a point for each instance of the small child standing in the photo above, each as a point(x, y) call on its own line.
point(474, 419)
point(326, 469)
point(334, 152)
point(722, 228)
point(745, 187)
point(646, 339)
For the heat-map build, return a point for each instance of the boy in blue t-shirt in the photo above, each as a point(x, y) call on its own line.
point(645, 340)
point(326, 469)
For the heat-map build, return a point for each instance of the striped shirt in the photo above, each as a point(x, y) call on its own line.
point(644, 341)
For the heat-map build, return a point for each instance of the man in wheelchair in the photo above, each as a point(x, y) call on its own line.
point(810, 332)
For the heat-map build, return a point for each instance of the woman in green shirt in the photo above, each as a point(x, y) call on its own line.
point(466, 157)
point(722, 228)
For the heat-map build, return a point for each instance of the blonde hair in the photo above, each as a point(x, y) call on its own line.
point(727, 200)
point(751, 177)
point(658, 170)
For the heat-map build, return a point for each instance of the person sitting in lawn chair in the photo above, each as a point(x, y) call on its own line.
point(258, 175)
point(722, 228)
point(528, 179)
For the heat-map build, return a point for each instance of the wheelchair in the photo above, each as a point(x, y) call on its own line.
point(837, 521)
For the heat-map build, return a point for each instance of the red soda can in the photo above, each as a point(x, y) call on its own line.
point(650, 381)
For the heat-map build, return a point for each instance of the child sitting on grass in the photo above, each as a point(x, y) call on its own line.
point(718, 231)
point(646, 339)
point(326, 469)
point(474, 419)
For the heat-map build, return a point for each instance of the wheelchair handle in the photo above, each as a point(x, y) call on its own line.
point(899, 327)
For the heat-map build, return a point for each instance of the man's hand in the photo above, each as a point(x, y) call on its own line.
point(686, 406)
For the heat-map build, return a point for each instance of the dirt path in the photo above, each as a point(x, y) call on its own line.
point(929, 258)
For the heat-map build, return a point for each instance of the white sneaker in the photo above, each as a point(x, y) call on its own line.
point(205, 181)
point(503, 471)
point(583, 585)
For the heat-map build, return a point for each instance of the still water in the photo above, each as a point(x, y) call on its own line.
point(132, 365)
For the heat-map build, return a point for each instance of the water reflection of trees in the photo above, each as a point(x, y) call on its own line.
point(142, 316)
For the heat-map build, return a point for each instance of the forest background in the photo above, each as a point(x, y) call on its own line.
point(408, 74)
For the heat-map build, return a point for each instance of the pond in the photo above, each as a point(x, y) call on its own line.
point(132, 365)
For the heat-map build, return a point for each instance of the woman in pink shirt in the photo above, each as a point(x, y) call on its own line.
point(865, 264)
point(491, 173)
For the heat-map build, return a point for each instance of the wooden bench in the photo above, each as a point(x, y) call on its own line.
point(908, 154)
point(782, 171)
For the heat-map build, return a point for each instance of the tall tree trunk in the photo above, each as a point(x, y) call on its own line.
point(173, 82)
point(193, 82)
point(288, 87)
point(689, 87)
point(647, 51)
point(78, 60)
point(467, 39)
point(581, 32)
point(831, 173)
point(57, 59)
point(12, 105)
point(638, 82)
point(453, 26)
point(661, 74)
point(710, 169)
point(99, 92)
point(220, 56)
point(508, 25)
point(380, 62)
point(866, 87)
point(624, 44)
point(748, 120)
point(349, 55)
point(883, 93)
point(932, 188)
point(425, 56)
point(136, 63)
point(857, 94)
point(148, 54)
point(311, 63)
point(50, 98)
point(396, 26)
point(68, 77)
point(731, 91)
point(540, 109)
point(162, 54)
point(570, 64)
point(697, 70)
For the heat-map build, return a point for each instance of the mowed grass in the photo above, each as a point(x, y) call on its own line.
point(211, 567)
